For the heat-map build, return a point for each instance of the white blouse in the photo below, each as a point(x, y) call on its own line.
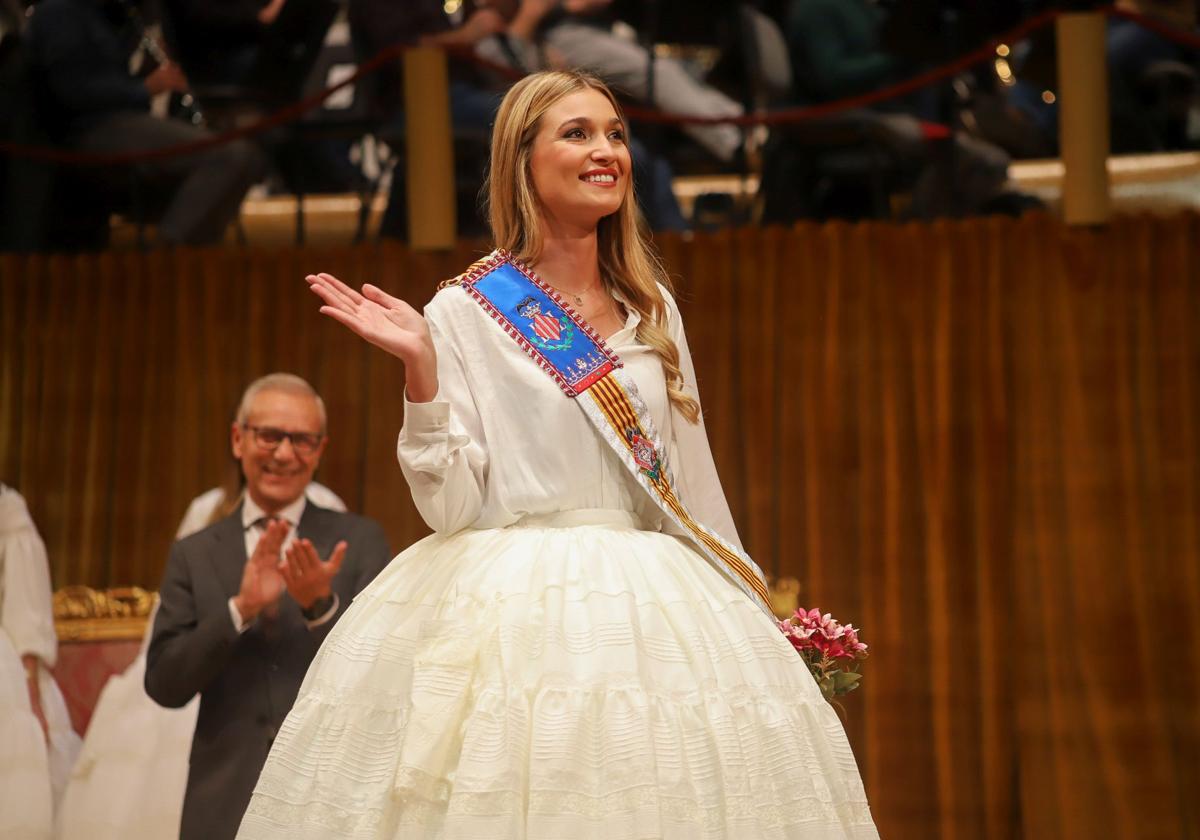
point(501, 441)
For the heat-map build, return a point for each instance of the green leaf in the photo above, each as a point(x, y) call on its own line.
point(846, 681)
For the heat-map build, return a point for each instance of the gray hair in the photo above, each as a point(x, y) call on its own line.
point(289, 383)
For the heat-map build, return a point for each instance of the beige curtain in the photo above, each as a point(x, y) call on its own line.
point(977, 441)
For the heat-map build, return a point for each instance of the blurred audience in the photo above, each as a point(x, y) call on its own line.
point(474, 96)
point(507, 45)
point(247, 58)
point(1132, 48)
point(1153, 80)
point(264, 47)
point(379, 24)
point(836, 48)
point(837, 53)
point(90, 102)
point(220, 41)
point(578, 33)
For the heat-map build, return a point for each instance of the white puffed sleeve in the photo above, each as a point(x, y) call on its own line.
point(442, 451)
point(690, 455)
point(26, 613)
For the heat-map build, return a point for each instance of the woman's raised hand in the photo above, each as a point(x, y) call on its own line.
point(387, 322)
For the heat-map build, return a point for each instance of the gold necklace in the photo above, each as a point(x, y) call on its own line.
point(614, 308)
point(578, 298)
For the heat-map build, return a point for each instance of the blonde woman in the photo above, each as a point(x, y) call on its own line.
point(581, 650)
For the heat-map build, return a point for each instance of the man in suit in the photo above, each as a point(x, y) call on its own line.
point(246, 602)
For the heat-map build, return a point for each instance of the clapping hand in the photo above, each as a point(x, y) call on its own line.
point(387, 322)
point(166, 77)
point(482, 23)
point(268, 13)
point(585, 7)
point(308, 577)
point(262, 582)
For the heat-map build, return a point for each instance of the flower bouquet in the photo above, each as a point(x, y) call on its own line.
point(831, 650)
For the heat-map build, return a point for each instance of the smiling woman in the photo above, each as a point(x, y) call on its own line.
point(600, 255)
point(580, 166)
point(581, 169)
point(582, 648)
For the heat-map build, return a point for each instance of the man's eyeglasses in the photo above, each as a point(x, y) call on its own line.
point(267, 437)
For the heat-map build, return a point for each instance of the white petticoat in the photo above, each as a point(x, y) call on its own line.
point(568, 677)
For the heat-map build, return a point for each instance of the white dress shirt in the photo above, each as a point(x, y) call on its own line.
point(533, 451)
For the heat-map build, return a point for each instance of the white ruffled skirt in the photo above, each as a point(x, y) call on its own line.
point(568, 677)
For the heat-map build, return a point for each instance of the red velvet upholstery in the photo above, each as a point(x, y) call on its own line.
point(82, 670)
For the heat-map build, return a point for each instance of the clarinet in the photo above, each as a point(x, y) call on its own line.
point(188, 108)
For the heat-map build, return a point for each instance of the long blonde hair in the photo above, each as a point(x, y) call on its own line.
point(628, 263)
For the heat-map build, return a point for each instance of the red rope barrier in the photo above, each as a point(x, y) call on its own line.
point(788, 116)
point(809, 112)
point(280, 117)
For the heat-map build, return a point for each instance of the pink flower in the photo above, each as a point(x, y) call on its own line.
point(852, 644)
point(827, 646)
point(800, 637)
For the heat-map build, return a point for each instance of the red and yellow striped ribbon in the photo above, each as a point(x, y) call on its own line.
point(615, 404)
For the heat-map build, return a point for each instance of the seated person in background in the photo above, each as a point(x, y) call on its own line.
point(836, 53)
point(1152, 80)
point(836, 48)
point(37, 744)
point(81, 50)
point(579, 33)
point(246, 602)
point(379, 24)
point(1139, 123)
point(221, 41)
point(474, 97)
point(652, 174)
point(129, 781)
point(1132, 47)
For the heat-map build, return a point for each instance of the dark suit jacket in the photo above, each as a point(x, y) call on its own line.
point(248, 682)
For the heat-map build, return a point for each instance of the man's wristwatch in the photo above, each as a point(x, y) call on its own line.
point(317, 609)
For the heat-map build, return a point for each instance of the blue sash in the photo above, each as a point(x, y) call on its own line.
point(567, 348)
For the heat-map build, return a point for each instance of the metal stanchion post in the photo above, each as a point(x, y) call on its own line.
point(1083, 117)
point(430, 150)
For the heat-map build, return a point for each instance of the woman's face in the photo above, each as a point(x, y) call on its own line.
point(580, 163)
